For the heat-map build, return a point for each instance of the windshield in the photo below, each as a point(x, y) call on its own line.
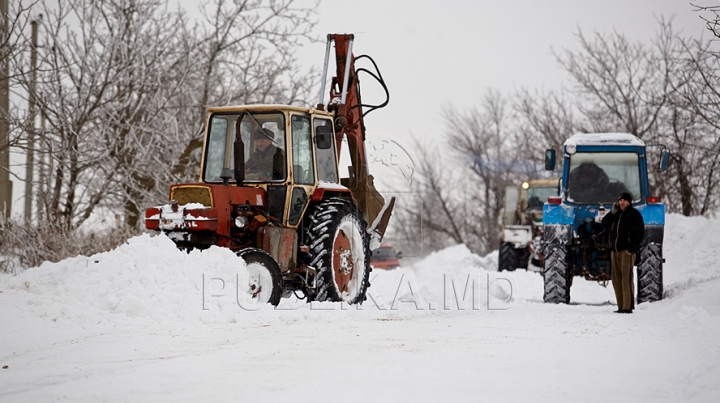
point(264, 137)
point(602, 177)
point(537, 196)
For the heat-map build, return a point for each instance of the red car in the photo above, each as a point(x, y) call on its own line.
point(385, 257)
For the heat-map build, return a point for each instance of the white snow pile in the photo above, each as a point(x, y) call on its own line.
point(149, 322)
point(692, 252)
point(146, 277)
point(149, 277)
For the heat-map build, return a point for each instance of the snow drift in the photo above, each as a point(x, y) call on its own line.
point(148, 277)
point(147, 321)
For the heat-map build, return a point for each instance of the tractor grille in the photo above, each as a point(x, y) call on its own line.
point(192, 194)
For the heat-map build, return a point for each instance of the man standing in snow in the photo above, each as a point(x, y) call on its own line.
point(626, 228)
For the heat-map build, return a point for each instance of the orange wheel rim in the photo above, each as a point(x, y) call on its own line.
point(342, 261)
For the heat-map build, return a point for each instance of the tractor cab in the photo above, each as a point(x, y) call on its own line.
point(286, 151)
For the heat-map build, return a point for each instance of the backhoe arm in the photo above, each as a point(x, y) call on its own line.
point(346, 103)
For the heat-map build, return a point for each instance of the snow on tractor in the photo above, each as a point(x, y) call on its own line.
point(270, 190)
point(596, 169)
point(521, 237)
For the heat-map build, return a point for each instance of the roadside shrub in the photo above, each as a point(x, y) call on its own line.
point(23, 245)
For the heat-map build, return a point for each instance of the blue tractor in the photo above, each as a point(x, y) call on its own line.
point(597, 168)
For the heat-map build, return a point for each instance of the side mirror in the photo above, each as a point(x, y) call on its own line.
point(398, 254)
point(323, 137)
point(664, 156)
point(550, 159)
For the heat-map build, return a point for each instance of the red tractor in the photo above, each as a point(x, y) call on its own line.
point(270, 190)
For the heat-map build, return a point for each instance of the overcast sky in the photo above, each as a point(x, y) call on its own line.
point(433, 54)
point(436, 53)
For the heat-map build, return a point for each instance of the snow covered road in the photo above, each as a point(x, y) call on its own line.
point(148, 323)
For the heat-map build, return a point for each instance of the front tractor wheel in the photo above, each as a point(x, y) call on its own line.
point(556, 275)
point(508, 257)
point(262, 282)
point(339, 250)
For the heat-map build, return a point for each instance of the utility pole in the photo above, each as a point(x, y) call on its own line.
point(5, 184)
point(30, 166)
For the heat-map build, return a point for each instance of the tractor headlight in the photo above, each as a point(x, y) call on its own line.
point(571, 148)
point(241, 221)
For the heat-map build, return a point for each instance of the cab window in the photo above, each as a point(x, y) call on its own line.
point(326, 159)
point(303, 167)
point(602, 177)
point(263, 134)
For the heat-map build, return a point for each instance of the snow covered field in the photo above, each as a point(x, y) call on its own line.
point(146, 322)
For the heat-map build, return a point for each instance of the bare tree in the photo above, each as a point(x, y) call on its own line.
point(711, 16)
point(99, 86)
point(550, 116)
point(124, 85)
point(428, 218)
point(489, 143)
point(13, 44)
point(626, 81)
point(465, 206)
point(246, 53)
point(662, 93)
point(693, 128)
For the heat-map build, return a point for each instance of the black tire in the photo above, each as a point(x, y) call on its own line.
point(339, 250)
point(508, 259)
point(650, 273)
point(523, 258)
point(263, 273)
point(557, 282)
point(556, 273)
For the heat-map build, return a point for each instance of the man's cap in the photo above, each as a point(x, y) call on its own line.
point(626, 196)
point(263, 133)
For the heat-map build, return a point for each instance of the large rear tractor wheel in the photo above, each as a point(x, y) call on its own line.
point(262, 282)
point(650, 273)
point(508, 259)
point(556, 270)
point(339, 251)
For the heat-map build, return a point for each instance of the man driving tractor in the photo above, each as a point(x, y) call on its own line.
point(261, 160)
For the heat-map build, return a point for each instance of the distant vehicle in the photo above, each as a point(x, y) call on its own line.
point(385, 257)
point(522, 225)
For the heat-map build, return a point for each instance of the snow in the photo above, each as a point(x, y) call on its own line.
point(146, 322)
point(520, 235)
point(331, 186)
point(603, 139)
point(375, 237)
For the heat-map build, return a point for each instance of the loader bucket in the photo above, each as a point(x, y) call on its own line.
point(372, 205)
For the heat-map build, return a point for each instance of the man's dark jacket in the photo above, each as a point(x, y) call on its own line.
point(626, 229)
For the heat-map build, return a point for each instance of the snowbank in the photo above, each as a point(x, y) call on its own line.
point(149, 278)
point(691, 250)
point(149, 322)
